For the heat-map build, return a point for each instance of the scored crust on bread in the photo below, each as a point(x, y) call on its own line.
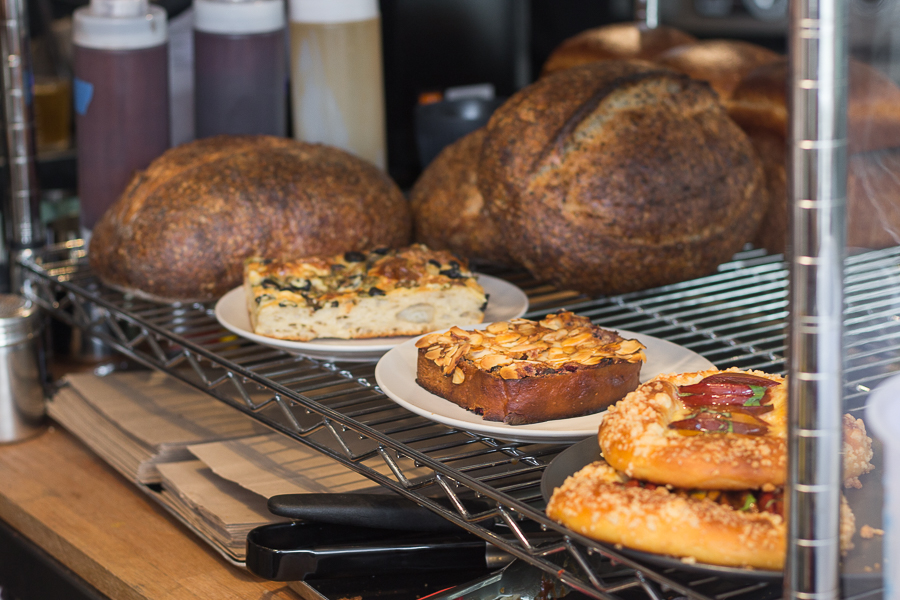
point(522, 371)
point(362, 295)
point(637, 436)
point(585, 171)
point(606, 505)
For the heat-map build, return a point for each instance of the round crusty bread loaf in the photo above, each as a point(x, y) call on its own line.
point(619, 176)
point(723, 63)
point(448, 209)
point(614, 41)
point(873, 105)
point(182, 228)
point(759, 106)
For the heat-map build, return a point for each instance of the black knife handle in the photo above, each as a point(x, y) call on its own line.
point(381, 511)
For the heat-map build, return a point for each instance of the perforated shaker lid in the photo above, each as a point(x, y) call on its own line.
point(333, 11)
point(238, 16)
point(119, 25)
point(18, 319)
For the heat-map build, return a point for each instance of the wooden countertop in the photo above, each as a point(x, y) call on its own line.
point(67, 501)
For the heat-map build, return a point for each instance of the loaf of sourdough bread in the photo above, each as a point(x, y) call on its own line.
point(615, 41)
point(619, 176)
point(183, 228)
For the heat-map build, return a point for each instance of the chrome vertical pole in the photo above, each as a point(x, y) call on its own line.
point(818, 187)
point(646, 12)
point(22, 212)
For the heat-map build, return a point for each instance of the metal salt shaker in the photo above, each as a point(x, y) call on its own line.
point(22, 406)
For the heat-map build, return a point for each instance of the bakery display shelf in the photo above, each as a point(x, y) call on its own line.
point(735, 317)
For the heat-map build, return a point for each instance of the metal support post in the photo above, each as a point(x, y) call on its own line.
point(818, 187)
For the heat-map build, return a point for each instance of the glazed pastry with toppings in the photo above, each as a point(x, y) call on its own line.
point(523, 371)
point(362, 295)
point(738, 529)
point(724, 430)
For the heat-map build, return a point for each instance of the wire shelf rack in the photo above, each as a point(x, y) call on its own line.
point(735, 317)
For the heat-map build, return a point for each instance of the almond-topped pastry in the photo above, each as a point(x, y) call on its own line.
point(724, 430)
point(362, 295)
point(743, 528)
point(523, 371)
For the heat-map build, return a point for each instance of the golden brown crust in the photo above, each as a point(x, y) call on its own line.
point(873, 199)
point(619, 176)
point(770, 146)
point(448, 209)
point(595, 503)
point(873, 105)
point(615, 41)
point(635, 439)
point(522, 371)
point(183, 228)
point(873, 195)
point(533, 399)
point(723, 63)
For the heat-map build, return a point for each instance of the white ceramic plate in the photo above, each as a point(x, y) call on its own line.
point(505, 301)
point(396, 375)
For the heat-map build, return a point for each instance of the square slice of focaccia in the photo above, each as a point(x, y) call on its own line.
point(362, 295)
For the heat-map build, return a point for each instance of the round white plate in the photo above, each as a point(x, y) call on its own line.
point(396, 375)
point(505, 301)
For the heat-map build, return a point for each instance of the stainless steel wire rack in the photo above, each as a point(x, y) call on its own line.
point(735, 317)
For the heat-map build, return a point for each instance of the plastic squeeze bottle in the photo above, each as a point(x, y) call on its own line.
point(121, 92)
point(337, 86)
point(240, 74)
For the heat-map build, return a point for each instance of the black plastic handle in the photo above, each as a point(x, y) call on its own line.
point(296, 551)
point(381, 511)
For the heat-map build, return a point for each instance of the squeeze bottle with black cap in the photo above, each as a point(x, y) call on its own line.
point(240, 72)
point(120, 56)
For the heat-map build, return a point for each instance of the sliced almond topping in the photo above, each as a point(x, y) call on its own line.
point(557, 335)
point(433, 353)
point(593, 360)
point(509, 372)
point(526, 347)
point(454, 358)
point(498, 327)
point(507, 338)
point(493, 360)
point(629, 347)
point(581, 356)
point(556, 353)
point(577, 339)
point(458, 376)
point(476, 338)
point(460, 332)
point(428, 340)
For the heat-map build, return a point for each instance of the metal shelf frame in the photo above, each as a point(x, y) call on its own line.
point(735, 317)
